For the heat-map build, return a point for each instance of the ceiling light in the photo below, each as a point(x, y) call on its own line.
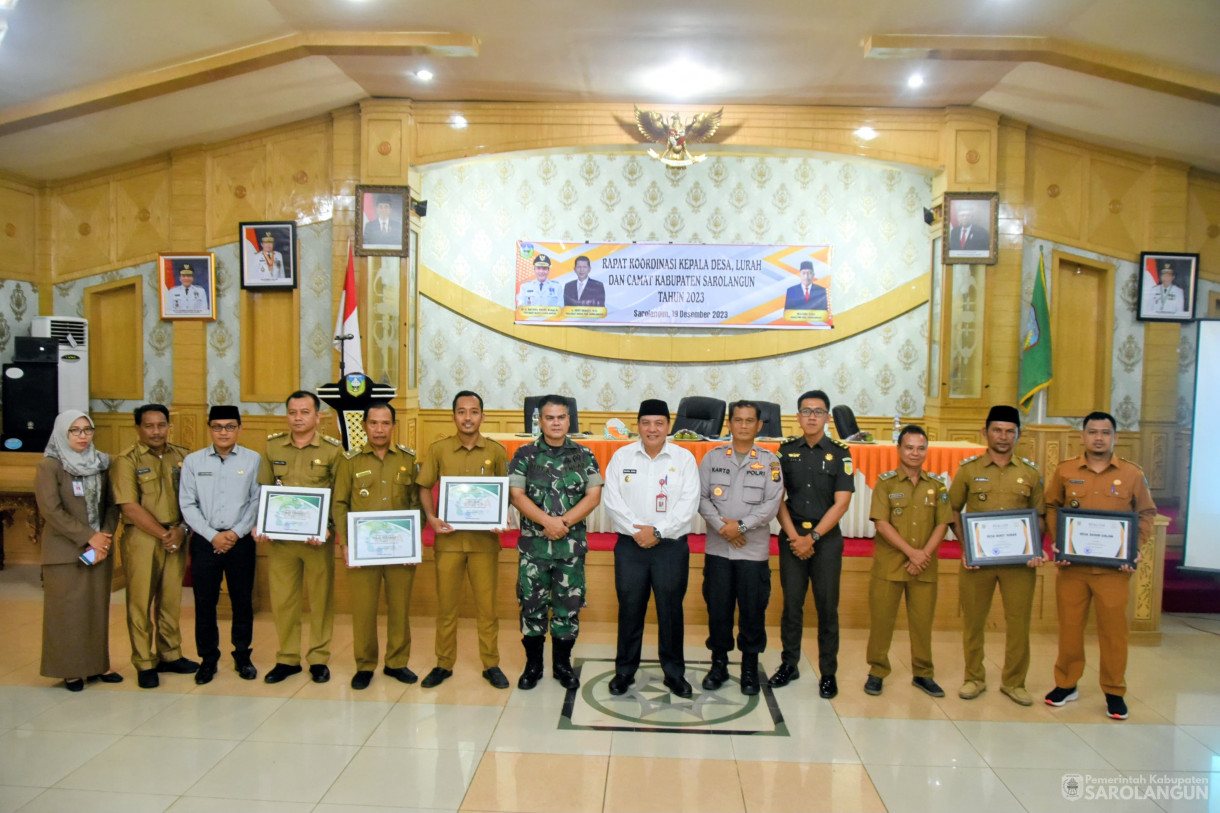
point(681, 79)
point(8, 5)
point(423, 75)
point(915, 80)
point(866, 133)
point(457, 121)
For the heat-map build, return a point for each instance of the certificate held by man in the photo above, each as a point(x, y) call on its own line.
point(474, 503)
point(291, 513)
point(383, 538)
point(1000, 537)
point(1098, 538)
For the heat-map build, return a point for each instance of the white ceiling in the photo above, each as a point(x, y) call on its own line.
point(771, 52)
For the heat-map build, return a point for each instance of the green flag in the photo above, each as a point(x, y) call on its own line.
point(1035, 342)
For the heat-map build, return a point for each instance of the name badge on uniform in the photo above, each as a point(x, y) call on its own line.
point(78, 488)
point(143, 471)
point(662, 503)
point(367, 473)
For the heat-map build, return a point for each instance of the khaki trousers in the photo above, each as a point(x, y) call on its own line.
point(289, 564)
point(1075, 589)
point(365, 586)
point(1017, 592)
point(481, 568)
point(883, 599)
point(154, 598)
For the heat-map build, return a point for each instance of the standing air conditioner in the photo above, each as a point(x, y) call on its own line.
point(71, 333)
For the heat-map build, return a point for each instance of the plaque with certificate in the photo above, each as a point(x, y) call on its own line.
point(474, 503)
point(294, 514)
point(1098, 538)
point(383, 538)
point(1001, 537)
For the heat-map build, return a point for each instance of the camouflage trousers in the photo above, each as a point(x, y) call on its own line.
point(557, 585)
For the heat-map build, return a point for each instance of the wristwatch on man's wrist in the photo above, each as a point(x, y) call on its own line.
point(741, 526)
point(816, 536)
point(656, 533)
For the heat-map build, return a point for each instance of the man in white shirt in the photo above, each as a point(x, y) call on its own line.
point(1165, 298)
point(186, 298)
point(269, 263)
point(651, 495)
point(541, 290)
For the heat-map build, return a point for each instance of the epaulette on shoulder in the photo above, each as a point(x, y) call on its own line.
point(970, 459)
point(888, 475)
point(936, 478)
point(1029, 463)
point(352, 453)
point(406, 449)
point(839, 443)
point(331, 441)
point(1132, 463)
point(275, 435)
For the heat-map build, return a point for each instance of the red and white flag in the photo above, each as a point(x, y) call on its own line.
point(348, 320)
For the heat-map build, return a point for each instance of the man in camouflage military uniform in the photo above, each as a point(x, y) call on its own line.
point(305, 457)
point(555, 484)
point(911, 510)
point(145, 482)
point(998, 480)
point(378, 477)
point(819, 481)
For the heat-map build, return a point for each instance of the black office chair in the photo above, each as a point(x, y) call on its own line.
point(772, 420)
point(533, 402)
point(699, 414)
point(845, 421)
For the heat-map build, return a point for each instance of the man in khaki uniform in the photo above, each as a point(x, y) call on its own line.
point(911, 510)
point(304, 457)
point(997, 480)
point(378, 477)
point(1096, 481)
point(145, 482)
point(470, 554)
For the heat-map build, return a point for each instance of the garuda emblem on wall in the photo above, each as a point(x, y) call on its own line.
point(675, 135)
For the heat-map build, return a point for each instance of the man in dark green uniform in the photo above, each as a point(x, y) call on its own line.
point(818, 477)
point(555, 484)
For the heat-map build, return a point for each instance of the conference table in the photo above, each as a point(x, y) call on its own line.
point(870, 460)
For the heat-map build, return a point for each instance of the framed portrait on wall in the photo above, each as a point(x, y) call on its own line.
point(382, 215)
point(268, 255)
point(1167, 286)
point(187, 283)
point(970, 222)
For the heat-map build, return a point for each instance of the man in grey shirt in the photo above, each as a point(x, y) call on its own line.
point(218, 494)
point(740, 490)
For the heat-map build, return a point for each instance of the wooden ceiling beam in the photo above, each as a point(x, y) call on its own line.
point(235, 62)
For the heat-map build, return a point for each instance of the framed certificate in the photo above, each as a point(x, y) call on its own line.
point(1099, 538)
point(383, 538)
point(293, 514)
point(1001, 537)
point(474, 503)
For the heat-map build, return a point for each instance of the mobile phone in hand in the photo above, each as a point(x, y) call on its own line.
point(89, 557)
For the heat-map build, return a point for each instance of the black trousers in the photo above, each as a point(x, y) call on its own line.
point(664, 571)
point(744, 587)
point(822, 570)
point(236, 567)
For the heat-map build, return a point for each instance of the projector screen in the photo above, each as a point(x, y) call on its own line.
point(1202, 542)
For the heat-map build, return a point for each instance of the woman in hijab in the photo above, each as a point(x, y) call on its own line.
point(73, 493)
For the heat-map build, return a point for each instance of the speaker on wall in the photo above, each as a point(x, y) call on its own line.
point(31, 393)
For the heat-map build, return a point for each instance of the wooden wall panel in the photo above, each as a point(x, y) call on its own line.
point(1082, 320)
point(298, 176)
point(1054, 193)
point(237, 190)
point(973, 163)
point(385, 155)
point(141, 210)
point(115, 310)
point(270, 344)
point(1203, 224)
point(81, 228)
point(18, 207)
point(1116, 192)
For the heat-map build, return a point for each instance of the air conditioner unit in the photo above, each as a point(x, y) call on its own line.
point(72, 335)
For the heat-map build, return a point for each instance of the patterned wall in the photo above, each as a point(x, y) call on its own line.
point(1127, 364)
point(18, 307)
point(869, 212)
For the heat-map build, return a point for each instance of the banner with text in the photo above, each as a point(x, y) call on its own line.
point(673, 285)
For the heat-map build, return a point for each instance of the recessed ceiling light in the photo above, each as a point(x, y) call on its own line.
point(866, 133)
point(682, 79)
point(423, 75)
point(915, 80)
point(457, 121)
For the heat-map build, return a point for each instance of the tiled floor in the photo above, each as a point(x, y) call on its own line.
point(298, 746)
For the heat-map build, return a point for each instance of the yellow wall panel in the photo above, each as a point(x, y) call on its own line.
point(298, 177)
point(115, 310)
point(972, 157)
point(385, 159)
point(81, 228)
point(270, 344)
point(17, 237)
point(141, 209)
point(1203, 225)
point(237, 190)
point(1116, 191)
point(1054, 193)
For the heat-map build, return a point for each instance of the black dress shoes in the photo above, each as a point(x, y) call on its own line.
point(496, 678)
point(873, 685)
point(749, 681)
point(245, 670)
point(785, 674)
point(147, 679)
point(320, 672)
point(361, 680)
point(436, 677)
point(619, 684)
point(678, 686)
point(205, 673)
point(717, 675)
point(107, 677)
point(401, 674)
point(281, 671)
point(181, 666)
point(828, 687)
point(77, 685)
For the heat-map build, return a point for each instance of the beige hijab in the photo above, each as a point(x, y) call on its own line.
point(88, 466)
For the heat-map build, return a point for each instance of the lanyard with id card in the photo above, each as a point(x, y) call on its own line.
point(662, 497)
point(78, 488)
